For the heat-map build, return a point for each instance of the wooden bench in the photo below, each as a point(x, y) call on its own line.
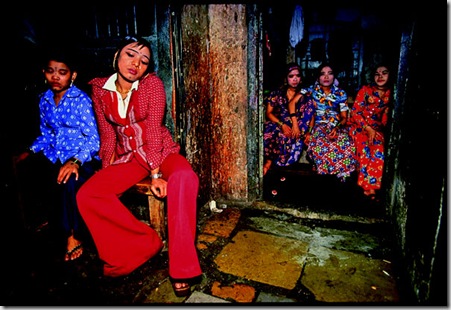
point(156, 207)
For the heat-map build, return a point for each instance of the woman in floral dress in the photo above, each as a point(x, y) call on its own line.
point(369, 117)
point(329, 144)
point(282, 145)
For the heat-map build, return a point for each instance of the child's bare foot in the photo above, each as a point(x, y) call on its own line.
point(74, 249)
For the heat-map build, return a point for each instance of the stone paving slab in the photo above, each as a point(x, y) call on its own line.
point(317, 236)
point(269, 259)
point(237, 292)
point(163, 294)
point(222, 224)
point(199, 297)
point(346, 277)
point(264, 297)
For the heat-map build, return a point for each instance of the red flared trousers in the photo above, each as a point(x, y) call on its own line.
point(124, 242)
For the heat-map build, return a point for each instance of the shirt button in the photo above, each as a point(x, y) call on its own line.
point(130, 138)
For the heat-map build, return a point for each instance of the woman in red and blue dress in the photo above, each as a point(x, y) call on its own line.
point(369, 116)
point(329, 144)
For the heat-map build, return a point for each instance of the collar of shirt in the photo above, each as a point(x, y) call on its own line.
point(111, 86)
point(122, 103)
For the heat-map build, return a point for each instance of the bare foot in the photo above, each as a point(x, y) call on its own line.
point(266, 166)
point(370, 193)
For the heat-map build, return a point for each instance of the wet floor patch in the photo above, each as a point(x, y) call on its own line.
point(318, 236)
point(346, 277)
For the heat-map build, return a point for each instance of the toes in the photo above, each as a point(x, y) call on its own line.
point(77, 253)
point(181, 289)
point(369, 192)
point(179, 285)
point(74, 253)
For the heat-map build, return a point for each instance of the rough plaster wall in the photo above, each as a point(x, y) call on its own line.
point(415, 189)
point(255, 99)
point(228, 61)
point(197, 101)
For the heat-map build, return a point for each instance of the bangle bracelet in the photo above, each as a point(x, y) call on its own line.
point(76, 161)
point(156, 176)
point(292, 114)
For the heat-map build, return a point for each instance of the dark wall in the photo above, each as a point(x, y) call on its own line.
point(417, 163)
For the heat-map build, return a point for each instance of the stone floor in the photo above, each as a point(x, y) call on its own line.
point(259, 254)
point(271, 252)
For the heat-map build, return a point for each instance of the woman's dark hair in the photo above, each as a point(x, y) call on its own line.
point(141, 43)
point(378, 65)
point(292, 66)
point(321, 67)
point(61, 53)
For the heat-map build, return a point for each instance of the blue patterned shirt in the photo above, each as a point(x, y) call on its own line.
point(69, 129)
point(328, 106)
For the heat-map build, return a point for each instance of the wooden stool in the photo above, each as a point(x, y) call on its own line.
point(156, 207)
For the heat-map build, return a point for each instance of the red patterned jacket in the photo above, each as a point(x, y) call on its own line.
point(142, 133)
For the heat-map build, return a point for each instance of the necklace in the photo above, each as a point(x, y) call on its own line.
point(122, 92)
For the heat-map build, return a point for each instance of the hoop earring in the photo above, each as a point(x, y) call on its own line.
point(114, 62)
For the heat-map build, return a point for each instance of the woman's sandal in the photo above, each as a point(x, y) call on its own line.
point(181, 289)
point(71, 252)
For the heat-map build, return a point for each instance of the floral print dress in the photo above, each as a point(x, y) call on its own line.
point(280, 149)
point(330, 156)
point(370, 109)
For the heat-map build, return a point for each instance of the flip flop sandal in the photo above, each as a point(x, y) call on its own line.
point(72, 251)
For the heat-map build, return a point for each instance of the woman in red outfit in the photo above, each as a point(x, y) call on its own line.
point(134, 143)
point(369, 117)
